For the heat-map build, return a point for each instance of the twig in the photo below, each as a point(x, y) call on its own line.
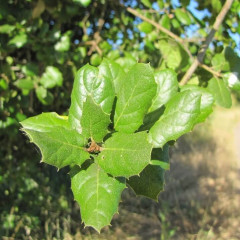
point(158, 26)
point(198, 60)
point(97, 37)
point(162, 29)
point(209, 69)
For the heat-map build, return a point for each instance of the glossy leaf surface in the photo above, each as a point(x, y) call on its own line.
point(59, 145)
point(134, 98)
point(97, 194)
point(88, 82)
point(167, 86)
point(178, 118)
point(94, 121)
point(206, 104)
point(125, 154)
point(220, 91)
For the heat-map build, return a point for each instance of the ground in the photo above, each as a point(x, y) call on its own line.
point(201, 199)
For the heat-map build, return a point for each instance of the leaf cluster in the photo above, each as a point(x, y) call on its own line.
point(118, 129)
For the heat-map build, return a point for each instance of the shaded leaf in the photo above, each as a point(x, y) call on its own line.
point(19, 40)
point(150, 181)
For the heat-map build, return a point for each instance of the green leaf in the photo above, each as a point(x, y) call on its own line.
point(175, 57)
point(30, 69)
point(59, 145)
point(110, 69)
point(134, 98)
point(182, 16)
point(160, 157)
point(125, 154)
point(161, 164)
point(63, 45)
point(220, 91)
point(84, 3)
point(126, 62)
point(6, 28)
point(150, 119)
point(151, 179)
point(207, 101)
point(51, 77)
point(219, 63)
point(149, 183)
point(95, 59)
point(44, 96)
point(88, 82)
point(19, 40)
point(147, 3)
point(97, 194)
point(167, 87)
point(94, 121)
point(165, 21)
point(145, 27)
point(26, 83)
point(179, 118)
point(233, 80)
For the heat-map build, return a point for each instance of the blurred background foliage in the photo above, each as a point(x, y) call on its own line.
point(42, 45)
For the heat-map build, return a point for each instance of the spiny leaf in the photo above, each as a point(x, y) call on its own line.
point(97, 194)
point(178, 118)
point(59, 145)
point(88, 82)
point(125, 154)
point(220, 91)
point(207, 101)
point(134, 98)
point(94, 121)
point(167, 87)
point(150, 181)
point(114, 71)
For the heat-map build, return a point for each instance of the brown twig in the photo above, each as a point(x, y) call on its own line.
point(158, 26)
point(97, 37)
point(198, 60)
point(162, 29)
point(209, 69)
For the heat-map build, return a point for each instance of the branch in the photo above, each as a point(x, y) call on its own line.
point(162, 29)
point(158, 26)
point(198, 60)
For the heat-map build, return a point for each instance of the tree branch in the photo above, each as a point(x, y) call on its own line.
point(158, 26)
point(198, 60)
point(162, 29)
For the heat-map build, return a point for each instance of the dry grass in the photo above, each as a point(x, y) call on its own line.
point(202, 193)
